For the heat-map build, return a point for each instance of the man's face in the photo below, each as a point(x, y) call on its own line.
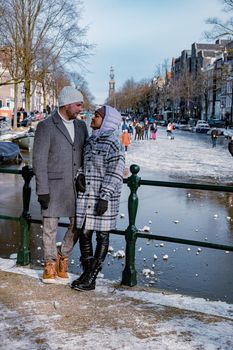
point(73, 110)
point(96, 121)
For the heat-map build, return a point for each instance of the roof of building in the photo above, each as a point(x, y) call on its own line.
point(209, 46)
point(223, 41)
point(186, 53)
point(207, 53)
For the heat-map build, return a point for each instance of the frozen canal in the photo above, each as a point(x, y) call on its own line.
point(190, 214)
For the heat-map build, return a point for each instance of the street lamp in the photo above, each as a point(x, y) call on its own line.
point(222, 111)
point(178, 111)
point(39, 100)
point(195, 112)
point(22, 97)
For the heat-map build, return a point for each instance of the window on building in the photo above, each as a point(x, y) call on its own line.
point(228, 87)
point(228, 101)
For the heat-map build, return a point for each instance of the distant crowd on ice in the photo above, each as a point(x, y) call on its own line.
point(142, 130)
point(147, 130)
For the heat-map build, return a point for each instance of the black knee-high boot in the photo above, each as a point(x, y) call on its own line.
point(101, 250)
point(88, 283)
point(86, 258)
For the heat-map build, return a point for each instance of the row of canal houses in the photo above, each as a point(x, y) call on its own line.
point(212, 64)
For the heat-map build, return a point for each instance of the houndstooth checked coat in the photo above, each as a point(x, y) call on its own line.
point(104, 163)
point(56, 160)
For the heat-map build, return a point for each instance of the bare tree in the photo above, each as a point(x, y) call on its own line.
point(186, 92)
point(50, 79)
point(10, 54)
point(127, 97)
point(201, 92)
point(145, 96)
point(135, 97)
point(172, 90)
point(221, 28)
point(82, 85)
point(57, 79)
point(50, 26)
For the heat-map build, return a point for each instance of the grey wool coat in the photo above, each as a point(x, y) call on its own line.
point(104, 163)
point(56, 160)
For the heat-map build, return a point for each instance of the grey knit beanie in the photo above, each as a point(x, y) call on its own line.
point(69, 95)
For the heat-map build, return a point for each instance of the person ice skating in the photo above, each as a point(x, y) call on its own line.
point(57, 156)
point(153, 131)
point(146, 129)
point(170, 130)
point(125, 139)
point(124, 126)
point(131, 131)
point(141, 132)
point(214, 136)
point(99, 184)
point(137, 131)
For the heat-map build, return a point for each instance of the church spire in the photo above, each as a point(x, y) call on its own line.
point(111, 92)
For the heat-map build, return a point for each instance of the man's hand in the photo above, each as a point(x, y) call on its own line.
point(80, 183)
point(44, 199)
point(101, 207)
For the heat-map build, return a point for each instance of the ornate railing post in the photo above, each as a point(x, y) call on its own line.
point(23, 257)
point(129, 275)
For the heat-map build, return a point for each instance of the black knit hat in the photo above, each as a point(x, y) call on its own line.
point(101, 111)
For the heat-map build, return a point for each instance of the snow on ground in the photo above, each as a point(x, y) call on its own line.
point(177, 332)
point(215, 308)
point(189, 156)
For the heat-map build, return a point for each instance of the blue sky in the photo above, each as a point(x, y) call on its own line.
point(135, 36)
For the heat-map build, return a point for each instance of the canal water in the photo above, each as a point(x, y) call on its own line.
point(190, 214)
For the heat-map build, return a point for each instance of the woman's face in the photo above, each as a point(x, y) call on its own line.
point(96, 121)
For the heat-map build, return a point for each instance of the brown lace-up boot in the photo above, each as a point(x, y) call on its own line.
point(50, 273)
point(62, 266)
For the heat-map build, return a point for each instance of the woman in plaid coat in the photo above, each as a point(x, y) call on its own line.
point(99, 184)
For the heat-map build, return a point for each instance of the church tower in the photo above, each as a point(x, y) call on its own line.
point(111, 92)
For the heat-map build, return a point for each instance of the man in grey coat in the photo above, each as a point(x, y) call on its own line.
point(99, 184)
point(57, 155)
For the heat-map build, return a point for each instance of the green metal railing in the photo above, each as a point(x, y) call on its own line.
point(129, 275)
point(23, 256)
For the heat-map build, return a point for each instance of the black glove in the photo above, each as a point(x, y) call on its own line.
point(101, 207)
point(80, 183)
point(44, 199)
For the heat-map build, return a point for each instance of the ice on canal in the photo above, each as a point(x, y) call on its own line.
point(188, 156)
point(204, 216)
